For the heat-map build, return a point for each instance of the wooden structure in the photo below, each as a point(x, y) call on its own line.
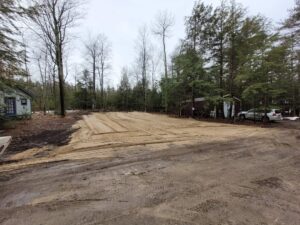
point(14, 101)
point(4, 142)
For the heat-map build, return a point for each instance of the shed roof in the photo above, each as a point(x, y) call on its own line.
point(229, 96)
point(10, 89)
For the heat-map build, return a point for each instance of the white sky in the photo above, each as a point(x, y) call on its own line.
point(120, 20)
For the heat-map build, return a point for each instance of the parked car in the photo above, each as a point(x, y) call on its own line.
point(260, 114)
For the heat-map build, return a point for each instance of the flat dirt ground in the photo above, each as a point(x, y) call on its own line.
point(138, 168)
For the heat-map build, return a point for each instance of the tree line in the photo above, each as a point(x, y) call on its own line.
point(226, 54)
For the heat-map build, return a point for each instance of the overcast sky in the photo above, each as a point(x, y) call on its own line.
point(120, 20)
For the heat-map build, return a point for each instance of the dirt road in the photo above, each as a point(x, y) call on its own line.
point(139, 168)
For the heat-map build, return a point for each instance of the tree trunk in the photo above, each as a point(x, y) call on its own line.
point(102, 85)
point(54, 89)
point(231, 72)
point(193, 101)
point(94, 83)
point(166, 73)
point(221, 75)
point(61, 80)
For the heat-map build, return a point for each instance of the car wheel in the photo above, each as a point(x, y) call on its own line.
point(242, 117)
point(265, 119)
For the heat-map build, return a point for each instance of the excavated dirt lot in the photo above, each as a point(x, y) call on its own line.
point(139, 168)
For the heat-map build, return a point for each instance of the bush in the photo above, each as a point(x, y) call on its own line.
point(2, 109)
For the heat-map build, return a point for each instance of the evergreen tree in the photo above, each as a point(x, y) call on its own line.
point(10, 48)
point(124, 91)
point(291, 39)
point(84, 94)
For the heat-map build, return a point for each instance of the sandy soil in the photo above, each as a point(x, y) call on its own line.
point(139, 168)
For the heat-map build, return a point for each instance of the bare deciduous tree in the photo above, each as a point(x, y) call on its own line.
point(42, 63)
point(155, 66)
point(104, 62)
point(54, 18)
point(92, 49)
point(143, 49)
point(99, 54)
point(162, 28)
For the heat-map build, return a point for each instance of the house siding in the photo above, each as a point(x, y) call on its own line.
point(21, 110)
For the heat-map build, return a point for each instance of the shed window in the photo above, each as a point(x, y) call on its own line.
point(23, 101)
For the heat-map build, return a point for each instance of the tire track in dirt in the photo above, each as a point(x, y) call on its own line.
point(96, 125)
point(153, 127)
point(110, 123)
point(206, 173)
